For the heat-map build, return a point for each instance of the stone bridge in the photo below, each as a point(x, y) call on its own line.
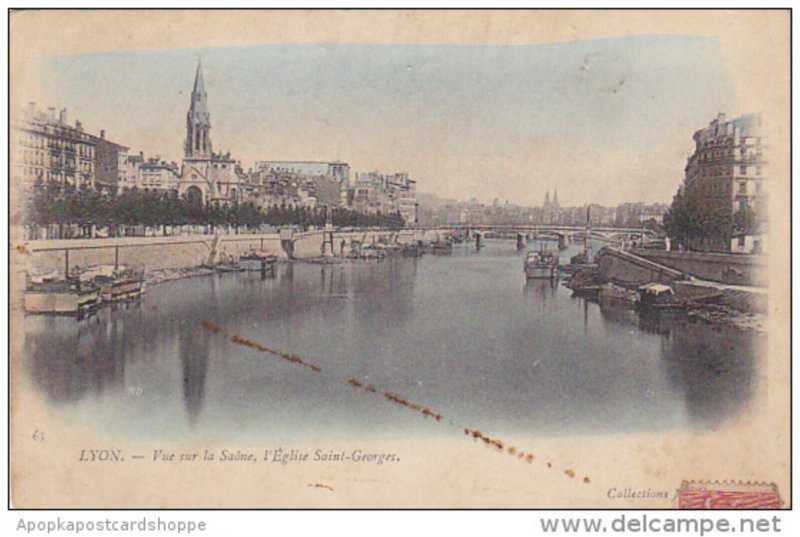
point(319, 243)
point(611, 235)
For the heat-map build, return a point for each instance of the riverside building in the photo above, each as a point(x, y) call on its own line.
point(727, 173)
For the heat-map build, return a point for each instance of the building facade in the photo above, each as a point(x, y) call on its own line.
point(726, 175)
point(304, 183)
point(45, 147)
point(340, 171)
point(110, 163)
point(374, 192)
point(157, 174)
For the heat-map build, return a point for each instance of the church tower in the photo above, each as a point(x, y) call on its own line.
point(198, 121)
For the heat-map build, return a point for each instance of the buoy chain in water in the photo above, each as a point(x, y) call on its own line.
point(497, 445)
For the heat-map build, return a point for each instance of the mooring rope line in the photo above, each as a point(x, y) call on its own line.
point(497, 445)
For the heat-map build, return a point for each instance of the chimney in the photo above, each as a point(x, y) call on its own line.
point(51, 113)
point(102, 134)
point(62, 116)
point(78, 125)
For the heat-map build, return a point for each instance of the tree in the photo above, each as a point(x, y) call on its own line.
point(696, 222)
point(746, 221)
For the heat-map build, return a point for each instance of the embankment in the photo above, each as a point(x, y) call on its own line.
point(155, 253)
point(188, 251)
point(731, 269)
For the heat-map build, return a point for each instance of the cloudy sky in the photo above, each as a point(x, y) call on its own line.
point(603, 121)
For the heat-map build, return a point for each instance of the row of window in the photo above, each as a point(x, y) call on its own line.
point(56, 161)
point(39, 141)
point(721, 154)
point(744, 140)
point(743, 187)
point(32, 174)
point(743, 170)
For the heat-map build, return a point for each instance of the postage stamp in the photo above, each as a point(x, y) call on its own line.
point(728, 495)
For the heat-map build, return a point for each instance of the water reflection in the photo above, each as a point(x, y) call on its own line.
point(713, 366)
point(452, 332)
point(92, 359)
point(193, 348)
point(540, 290)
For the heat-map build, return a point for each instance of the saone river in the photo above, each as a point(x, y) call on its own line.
point(464, 334)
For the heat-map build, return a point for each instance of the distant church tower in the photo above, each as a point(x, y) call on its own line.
point(206, 176)
point(198, 121)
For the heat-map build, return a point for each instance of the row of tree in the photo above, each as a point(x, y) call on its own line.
point(87, 208)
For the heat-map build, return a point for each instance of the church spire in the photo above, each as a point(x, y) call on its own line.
point(198, 120)
point(555, 198)
point(199, 86)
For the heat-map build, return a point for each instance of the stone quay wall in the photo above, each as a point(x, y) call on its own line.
point(188, 251)
point(155, 253)
point(629, 269)
point(731, 269)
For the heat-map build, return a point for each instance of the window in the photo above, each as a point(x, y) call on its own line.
point(758, 170)
point(742, 187)
point(743, 170)
point(741, 241)
point(758, 186)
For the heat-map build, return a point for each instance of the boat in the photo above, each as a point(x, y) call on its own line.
point(577, 263)
point(229, 267)
point(51, 294)
point(370, 252)
point(585, 283)
point(258, 260)
point(412, 250)
point(659, 297)
point(581, 258)
point(115, 283)
point(388, 249)
point(614, 296)
point(540, 265)
point(442, 247)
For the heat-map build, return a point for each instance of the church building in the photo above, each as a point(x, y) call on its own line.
point(207, 176)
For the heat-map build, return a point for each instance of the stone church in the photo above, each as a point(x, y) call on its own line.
point(207, 176)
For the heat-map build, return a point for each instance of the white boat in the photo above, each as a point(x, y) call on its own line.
point(59, 295)
point(541, 265)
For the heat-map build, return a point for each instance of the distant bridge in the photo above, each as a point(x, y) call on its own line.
point(601, 233)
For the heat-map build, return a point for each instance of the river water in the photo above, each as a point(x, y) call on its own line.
point(463, 334)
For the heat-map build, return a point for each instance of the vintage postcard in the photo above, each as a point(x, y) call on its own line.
point(414, 259)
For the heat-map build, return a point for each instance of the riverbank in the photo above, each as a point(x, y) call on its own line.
point(725, 315)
